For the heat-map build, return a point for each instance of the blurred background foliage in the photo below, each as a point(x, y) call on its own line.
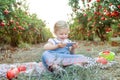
point(90, 19)
point(95, 19)
point(18, 26)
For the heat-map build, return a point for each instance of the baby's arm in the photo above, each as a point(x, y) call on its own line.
point(50, 46)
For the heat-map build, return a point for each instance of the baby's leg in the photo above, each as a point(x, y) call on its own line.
point(68, 59)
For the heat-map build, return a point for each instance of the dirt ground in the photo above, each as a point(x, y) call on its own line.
point(33, 53)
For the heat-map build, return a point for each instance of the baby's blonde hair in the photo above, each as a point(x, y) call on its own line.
point(60, 25)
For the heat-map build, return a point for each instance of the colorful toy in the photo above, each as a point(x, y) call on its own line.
point(107, 55)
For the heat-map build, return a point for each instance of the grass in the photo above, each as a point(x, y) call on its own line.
point(69, 73)
point(72, 72)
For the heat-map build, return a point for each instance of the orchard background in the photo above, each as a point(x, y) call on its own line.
point(98, 19)
point(94, 24)
point(18, 26)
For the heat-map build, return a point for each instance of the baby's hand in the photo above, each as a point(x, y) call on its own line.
point(61, 45)
point(75, 45)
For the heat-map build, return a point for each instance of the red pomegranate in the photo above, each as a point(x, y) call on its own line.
point(12, 73)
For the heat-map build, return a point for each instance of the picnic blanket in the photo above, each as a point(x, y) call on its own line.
point(31, 67)
point(35, 68)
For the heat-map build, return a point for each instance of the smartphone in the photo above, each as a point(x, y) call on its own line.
point(71, 43)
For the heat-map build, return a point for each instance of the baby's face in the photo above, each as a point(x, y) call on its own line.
point(62, 33)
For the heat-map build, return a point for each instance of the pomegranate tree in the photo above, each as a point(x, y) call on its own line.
point(97, 18)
